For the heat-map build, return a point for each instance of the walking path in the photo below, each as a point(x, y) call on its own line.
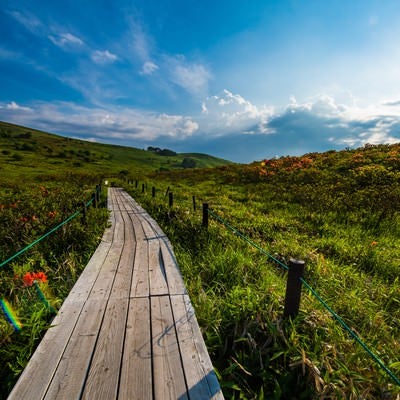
point(127, 330)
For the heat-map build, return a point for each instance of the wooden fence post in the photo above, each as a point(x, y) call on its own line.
point(194, 203)
point(205, 215)
point(167, 191)
point(171, 199)
point(136, 184)
point(94, 197)
point(293, 288)
point(153, 192)
point(142, 187)
point(98, 193)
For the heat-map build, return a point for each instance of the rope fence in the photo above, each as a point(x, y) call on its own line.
point(4, 304)
point(295, 278)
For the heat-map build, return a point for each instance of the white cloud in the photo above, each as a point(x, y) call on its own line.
point(149, 68)
point(192, 77)
point(227, 112)
point(115, 123)
point(65, 39)
point(28, 20)
point(103, 57)
point(14, 106)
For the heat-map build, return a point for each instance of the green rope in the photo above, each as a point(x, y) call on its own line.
point(46, 234)
point(352, 333)
point(39, 239)
point(238, 233)
point(319, 298)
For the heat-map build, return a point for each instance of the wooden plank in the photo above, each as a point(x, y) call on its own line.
point(70, 376)
point(136, 372)
point(174, 277)
point(122, 281)
point(157, 274)
point(37, 375)
point(103, 285)
point(109, 232)
point(102, 380)
point(201, 379)
point(140, 278)
point(169, 381)
point(84, 284)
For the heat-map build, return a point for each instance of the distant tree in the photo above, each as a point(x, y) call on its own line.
point(166, 152)
point(188, 163)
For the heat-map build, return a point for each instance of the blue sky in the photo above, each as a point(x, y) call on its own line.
point(243, 80)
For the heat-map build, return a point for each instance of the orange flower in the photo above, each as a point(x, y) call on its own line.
point(373, 243)
point(30, 277)
point(34, 218)
point(41, 276)
point(24, 219)
point(52, 214)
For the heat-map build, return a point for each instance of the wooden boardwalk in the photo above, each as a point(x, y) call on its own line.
point(127, 330)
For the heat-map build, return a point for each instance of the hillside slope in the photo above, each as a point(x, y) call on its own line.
point(30, 152)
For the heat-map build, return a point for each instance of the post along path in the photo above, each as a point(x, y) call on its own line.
point(127, 330)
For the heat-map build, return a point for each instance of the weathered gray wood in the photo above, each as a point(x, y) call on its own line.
point(140, 277)
point(103, 377)
point(174, 277)
point(69, 379)
point(169, 381)
point(136, 373)
point(37, 375)
point(127, 329)
point(200, 376)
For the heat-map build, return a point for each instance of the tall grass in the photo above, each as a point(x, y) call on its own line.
point(26, 214)
point(352, 261)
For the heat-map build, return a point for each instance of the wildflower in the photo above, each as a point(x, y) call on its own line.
point(34, 218)
point(373, 243)
point(52, 214)
point(30, 277)
point(41, 276)
point(24, 219)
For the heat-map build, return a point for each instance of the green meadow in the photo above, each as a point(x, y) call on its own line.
point(337, 211)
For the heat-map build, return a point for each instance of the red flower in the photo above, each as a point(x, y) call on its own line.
point(41, 276)
point(52, 214)
point(30, 277)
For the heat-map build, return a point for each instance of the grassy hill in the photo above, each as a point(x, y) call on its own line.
point(33, 153)
point(339, 211)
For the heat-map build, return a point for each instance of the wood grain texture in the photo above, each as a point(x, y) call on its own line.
point(136, 373)
point(127, 330)
point(69, 379)
point(200, 376)
point(37, 375)
point(103, 376)
point(169, 380)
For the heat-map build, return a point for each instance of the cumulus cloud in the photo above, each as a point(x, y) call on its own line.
point(103, 57)
point(129, 126)
point(228, 125)
point(191, 76)
point(229, 112)
point(392, 103)
point(65, 39)
point(14, 106)
point(149, 68)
